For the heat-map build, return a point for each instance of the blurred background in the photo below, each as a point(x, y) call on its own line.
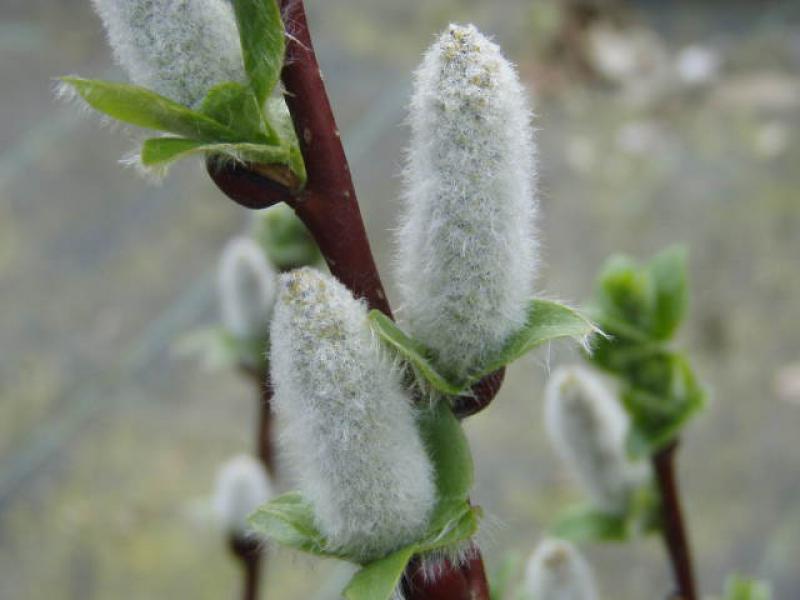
point(659, 122)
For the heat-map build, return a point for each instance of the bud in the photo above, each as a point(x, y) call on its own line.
point(556, 571)
point(242, 486)
point(347, 424)
point(467, 250)
point(247, 288)
point(178, 48)
point(587, 426)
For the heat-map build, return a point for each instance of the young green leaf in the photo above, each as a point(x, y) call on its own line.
point(502, 578)
point(738, 587)
point(139, 106)
point(377, 580)
point(668, 273)
point(412, 351)
point(449, 452)
point(236, 106)
point(164, 150)
point(284, 238)
point(658, 415)
point(289, 521)
point(263, 45)
point(585, 524)
point(547, 321)
point(625, 293)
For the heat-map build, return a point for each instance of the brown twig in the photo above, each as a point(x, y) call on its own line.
point(328, 207)
point(249, 552)
point(673, 526)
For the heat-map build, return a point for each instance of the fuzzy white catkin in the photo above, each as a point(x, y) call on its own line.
point(247, 285)
point(348, 426)
point(242, 486)
point(557, 571)
point(178, 48)
point(587, 427)
point(466, 246)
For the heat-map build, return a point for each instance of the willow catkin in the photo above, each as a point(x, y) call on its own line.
point(247, 285)
point(466, 246)
point(557, 571)
point(588, 426)
point(178, 48)
point(242, 485)
point(348, 425)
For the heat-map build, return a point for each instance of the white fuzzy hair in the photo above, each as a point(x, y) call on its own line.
point(587, 426)
point(242, 485)
point(557, 571)
point(467, 250)
point(348, 426)
point(178, 48)
point(247, 284)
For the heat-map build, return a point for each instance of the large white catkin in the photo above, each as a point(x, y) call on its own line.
point(247, 285)
point(178, 48)
point(347, 424)
point(242, 486)
point(556, 571)
point(587, 427)
point(466, 246)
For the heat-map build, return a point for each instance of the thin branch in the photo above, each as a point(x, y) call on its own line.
point(248, 551)
point(673, 526)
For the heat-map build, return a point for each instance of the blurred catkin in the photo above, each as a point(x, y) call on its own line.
point(588, 426)
point(247, 289)
point(557, 571)
point(242, 485)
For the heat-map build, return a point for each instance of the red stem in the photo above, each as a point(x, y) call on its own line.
point(329, 208)
point(673, 526)
point(248, 551)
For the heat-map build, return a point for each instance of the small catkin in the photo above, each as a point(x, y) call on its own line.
point(348, 426)
point(587, 427)
point(178, 48)
point(247, 289)
point(242, 486)
point(557, 571)
point(466, 246)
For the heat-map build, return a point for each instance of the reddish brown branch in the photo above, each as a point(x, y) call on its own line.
point(673, 526)
point(248, 551)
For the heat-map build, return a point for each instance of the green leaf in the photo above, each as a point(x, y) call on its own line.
point(669, 274)
point(625, 293)
point(586, 524)
point(141, 107)
point(502, 578)
point(277, 113)
point(412, 351)
point(377, 580)
point(449, 452)
point(659, 414)
point(285, 239)
point(738, 587)
point(163, 150)
point(263, 45)
point(547, 321)
point(289, 521)
point(236, 106)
